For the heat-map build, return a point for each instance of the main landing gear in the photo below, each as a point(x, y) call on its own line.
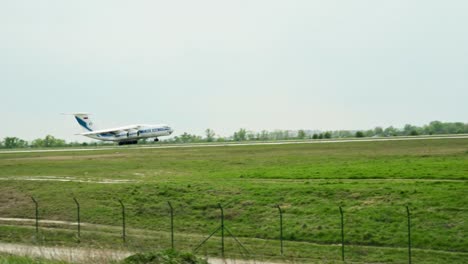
point(156, 139)
point(128, 142)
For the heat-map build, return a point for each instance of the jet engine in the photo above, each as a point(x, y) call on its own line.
point(133, 133)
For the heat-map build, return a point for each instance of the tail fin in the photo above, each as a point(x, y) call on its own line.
point(84, 121)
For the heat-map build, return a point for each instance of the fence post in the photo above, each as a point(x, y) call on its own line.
point(123, 220)
point(222, 229)
point(281, 227)
point(172, 224)
point(342, 234)
point(37, 216)
point(409, 234)
point(78, 218)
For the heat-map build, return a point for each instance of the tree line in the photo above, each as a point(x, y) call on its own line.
point(46, 142)
point(433, 128)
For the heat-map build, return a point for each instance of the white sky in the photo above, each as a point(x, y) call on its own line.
point(230, 64)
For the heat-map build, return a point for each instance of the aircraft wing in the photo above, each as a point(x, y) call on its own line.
point(116, 130)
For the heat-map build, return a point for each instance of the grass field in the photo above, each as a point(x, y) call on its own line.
point(372, 181)
point(11, 259)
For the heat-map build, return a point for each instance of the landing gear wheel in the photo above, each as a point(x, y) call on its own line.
point(128, 142)
point(156, 139)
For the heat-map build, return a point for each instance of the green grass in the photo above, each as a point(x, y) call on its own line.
point(12, 259)
point(372, 181)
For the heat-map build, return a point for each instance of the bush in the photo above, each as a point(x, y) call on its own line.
point(359, 134)
point(164, 257)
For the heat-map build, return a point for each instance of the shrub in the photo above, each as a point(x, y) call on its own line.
point(164, 257)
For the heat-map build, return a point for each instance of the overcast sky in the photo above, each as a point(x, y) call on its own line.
point(230, 64)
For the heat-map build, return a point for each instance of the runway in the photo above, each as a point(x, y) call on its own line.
point(233, 144)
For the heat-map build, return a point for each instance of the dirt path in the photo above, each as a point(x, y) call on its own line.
point(89, 255)
point(260, 180)
point(76, 255)
point(64, 179)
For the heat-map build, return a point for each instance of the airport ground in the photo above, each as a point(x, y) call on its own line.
point(373, 181)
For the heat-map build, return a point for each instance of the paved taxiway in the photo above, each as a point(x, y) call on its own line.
point(200, 145)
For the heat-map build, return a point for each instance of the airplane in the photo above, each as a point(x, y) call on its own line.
point(125, 135)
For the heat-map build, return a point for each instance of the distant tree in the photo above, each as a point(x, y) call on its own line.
point(48, 141)
point(301, 134)
point(188, 138)
point(369, 133)
point(264, 135)
point(320, 136)
point(390, 131)
point(251, 136)
point(327, 135)
point(70, 144)
point(359, 134)
point(378, 131)
point(413, 130)
point(185, 137)
point(436, 127)
point(426, 130)
point(258, 136)
point(457, 128)
point(276, 135)
point(315, 136)
point(54, 142)
point(37, 143)
point(14, 142)
point(210, 134)
point(407, 129)
point(342, 134)
point(240, 135)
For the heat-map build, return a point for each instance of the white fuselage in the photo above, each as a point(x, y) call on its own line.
point(142, 132)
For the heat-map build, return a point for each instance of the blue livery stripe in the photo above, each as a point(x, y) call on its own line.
point(83, 123)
